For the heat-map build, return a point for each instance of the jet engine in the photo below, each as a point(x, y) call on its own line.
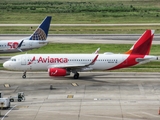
point(57, 72)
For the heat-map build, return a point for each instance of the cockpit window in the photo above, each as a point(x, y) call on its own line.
point(13, 59)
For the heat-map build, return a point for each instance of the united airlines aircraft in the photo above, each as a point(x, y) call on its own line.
point(64, 64)
point(36, 40)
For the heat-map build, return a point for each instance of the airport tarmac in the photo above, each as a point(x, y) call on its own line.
point(94, 96)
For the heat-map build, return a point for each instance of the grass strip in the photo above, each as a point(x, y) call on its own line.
point(80, 11)
point(81, 29)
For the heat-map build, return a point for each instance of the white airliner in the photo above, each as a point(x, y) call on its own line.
point(36, 40)
point(64, 64)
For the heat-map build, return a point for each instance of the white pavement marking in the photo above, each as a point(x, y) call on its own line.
point(8, 112)
point(134, 114)
point(141, 89)
point(19, 105)
point(150, 114)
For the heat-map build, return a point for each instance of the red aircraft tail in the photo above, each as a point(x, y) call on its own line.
point(143, 44)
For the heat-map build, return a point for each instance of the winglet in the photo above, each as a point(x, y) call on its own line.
point(41, 32)
point(96, 52)
point(19, 46)
point(93, 61)
point(143, 44)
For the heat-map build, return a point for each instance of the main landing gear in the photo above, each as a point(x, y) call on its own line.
point(24, 75)
point(76, 75)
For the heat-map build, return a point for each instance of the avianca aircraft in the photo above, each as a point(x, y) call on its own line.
point(64, 64)
point(36, 40)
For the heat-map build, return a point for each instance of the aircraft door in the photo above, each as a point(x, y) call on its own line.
point(23, 60)
point(30, 44)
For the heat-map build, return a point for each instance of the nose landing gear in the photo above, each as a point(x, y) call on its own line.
point(24, 75)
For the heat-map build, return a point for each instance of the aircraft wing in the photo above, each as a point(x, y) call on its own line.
point(67, 66)
point(74, 65)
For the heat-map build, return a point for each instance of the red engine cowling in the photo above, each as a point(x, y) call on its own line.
point(57, 72)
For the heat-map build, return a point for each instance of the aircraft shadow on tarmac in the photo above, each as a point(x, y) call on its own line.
point(82, 76)
point(96, 78)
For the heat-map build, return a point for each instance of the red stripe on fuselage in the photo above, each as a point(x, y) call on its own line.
point(130, 61)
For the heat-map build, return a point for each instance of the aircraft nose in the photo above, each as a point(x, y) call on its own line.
point(6, 65)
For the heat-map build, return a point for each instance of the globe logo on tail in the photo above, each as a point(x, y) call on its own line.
point(39, 34)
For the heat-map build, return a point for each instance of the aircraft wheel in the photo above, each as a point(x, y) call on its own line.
point(24, 76)
point(11, 100)
point(76, 76)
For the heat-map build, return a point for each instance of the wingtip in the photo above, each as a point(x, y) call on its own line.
point(152, 32)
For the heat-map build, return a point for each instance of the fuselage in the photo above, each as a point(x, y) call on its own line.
point(30, 62)
point(9, 46)
point(64, 64)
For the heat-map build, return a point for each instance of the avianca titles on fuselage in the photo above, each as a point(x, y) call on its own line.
point(36, 40)
point(64, 64)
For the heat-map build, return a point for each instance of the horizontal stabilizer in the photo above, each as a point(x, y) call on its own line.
point(148, 58)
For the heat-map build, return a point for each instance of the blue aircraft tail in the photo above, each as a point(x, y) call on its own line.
point(41, 32)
